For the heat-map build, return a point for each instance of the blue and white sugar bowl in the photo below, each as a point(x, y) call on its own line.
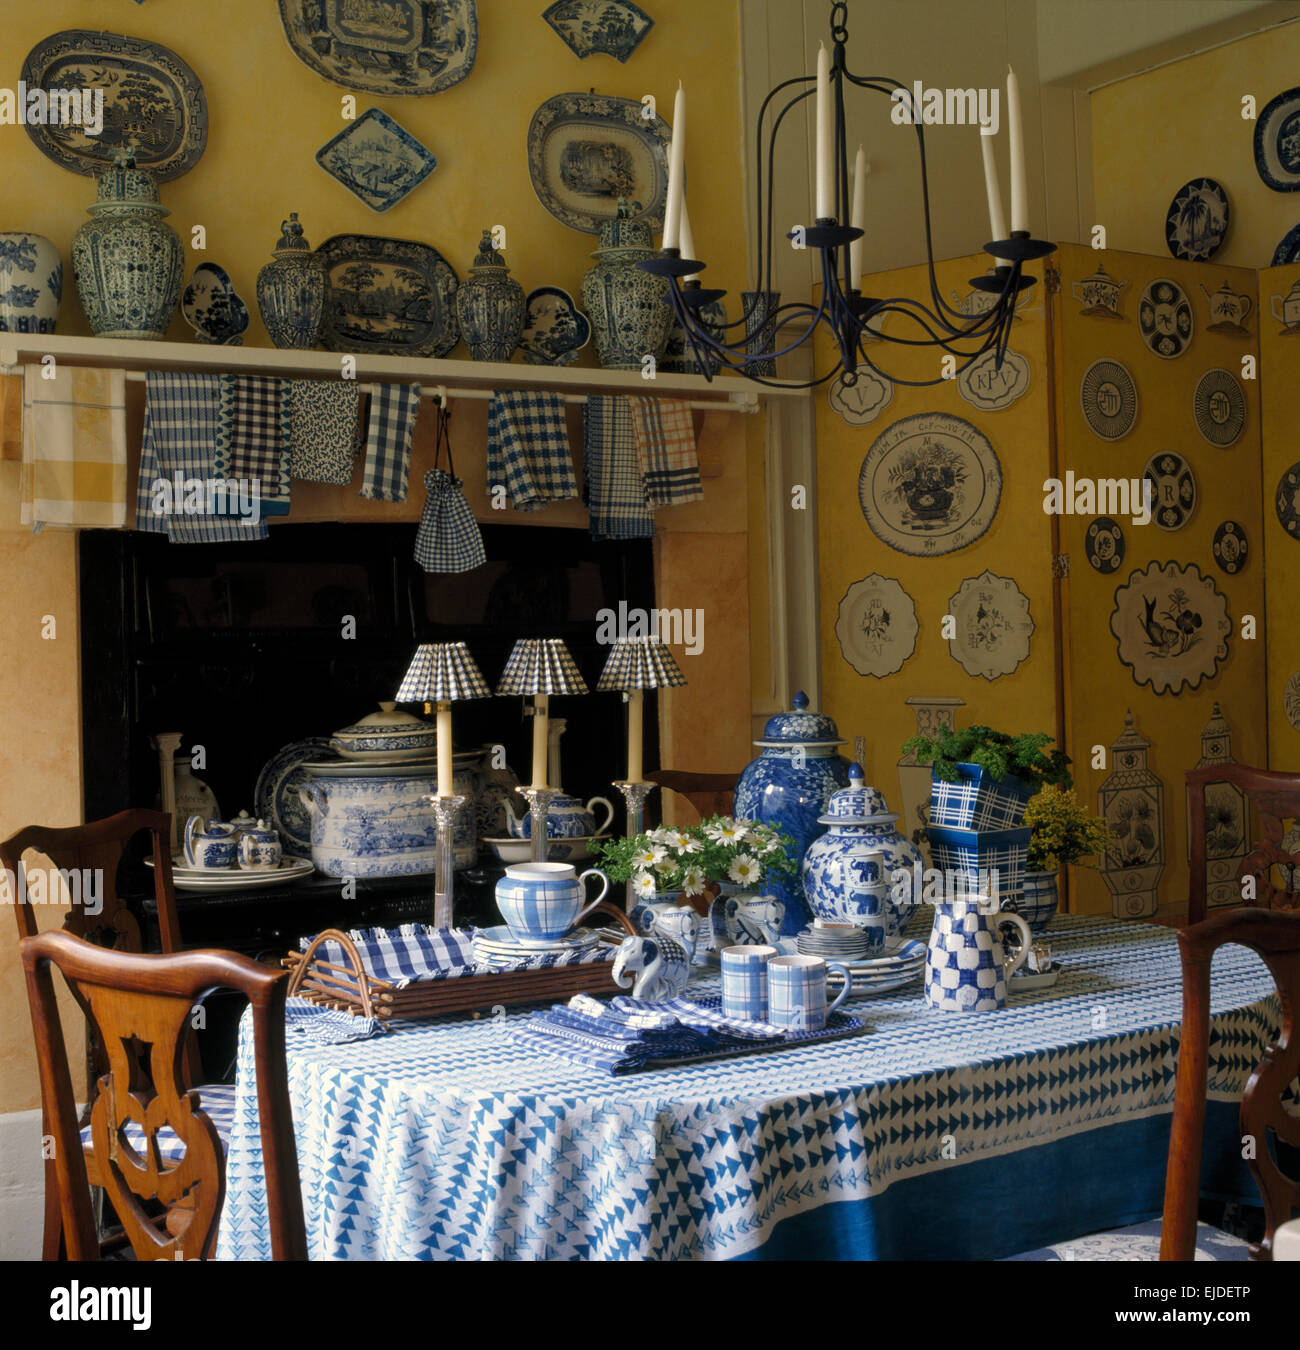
point(847, 872)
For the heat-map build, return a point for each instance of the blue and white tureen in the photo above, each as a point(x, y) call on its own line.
point(848, 871)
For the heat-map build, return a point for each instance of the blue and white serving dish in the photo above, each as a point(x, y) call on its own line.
point(276, 799)
point(555, 329)
point(376, 160)
point(614, 27)
point(1288, 249)
point(387, 732)
point(212, 307)
point(1277, 142)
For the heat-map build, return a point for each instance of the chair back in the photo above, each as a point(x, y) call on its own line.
point(1276, 937)
point(141, 1006)
point(1273, 857)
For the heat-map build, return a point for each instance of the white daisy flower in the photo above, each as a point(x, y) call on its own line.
point(744, 870)
point(651, 856)
point(644, 885)
point(693, 880)
point(665, 865)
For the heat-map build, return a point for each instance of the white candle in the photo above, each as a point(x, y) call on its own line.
point(676, 171)
point(687, 239)
point(858, 219)
point(997, 222)
point(540, 705)
point(1016, 136)
point(825, 196)
point(635, 733)
point(444, 748)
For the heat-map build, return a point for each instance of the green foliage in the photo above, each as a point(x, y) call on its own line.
point(996, 752)
point(1064, 829)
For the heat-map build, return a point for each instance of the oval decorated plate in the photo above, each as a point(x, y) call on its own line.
point(1165, 318)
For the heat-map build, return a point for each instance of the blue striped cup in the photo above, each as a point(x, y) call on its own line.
point(744, 981)
point(796, 992)
point(540, 902)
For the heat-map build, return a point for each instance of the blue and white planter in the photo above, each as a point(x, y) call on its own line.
point(970, 853)
point(978, 801)
point(31, 283)
point(1039, 897)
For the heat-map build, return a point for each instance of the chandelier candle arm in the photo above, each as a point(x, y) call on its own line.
point(825, 182)
point(997, 222)
point(858, 219)
point(1016, 141)
point(676, 171)
point(541, 713)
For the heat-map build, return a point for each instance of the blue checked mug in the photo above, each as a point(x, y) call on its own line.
point(744, 981)
point(796, 992)
point(540, 902)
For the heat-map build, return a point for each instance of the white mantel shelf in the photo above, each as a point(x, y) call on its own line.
point(136, 355)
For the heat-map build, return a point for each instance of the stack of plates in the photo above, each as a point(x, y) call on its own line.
point(902, 963)
point(499, 947)
point(186, 878)
point(832, 942)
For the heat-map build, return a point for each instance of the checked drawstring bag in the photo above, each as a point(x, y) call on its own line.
point(449, 539)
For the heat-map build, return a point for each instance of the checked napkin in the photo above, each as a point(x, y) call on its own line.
point(615, 490)
point(665, 446)
point(388, 441)
point(326, 1026)
point(253, 422)
point(528, 448)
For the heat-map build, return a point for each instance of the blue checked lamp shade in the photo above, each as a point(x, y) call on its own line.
point(442, 673)
point(635, 665)
point(541, 667)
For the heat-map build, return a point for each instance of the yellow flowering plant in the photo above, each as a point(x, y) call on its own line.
point(1064, 830)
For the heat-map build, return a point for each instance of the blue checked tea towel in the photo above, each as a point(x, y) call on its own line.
point(528, 448)
point(615, 490)
point(324, 430)
point(177, 453)
point(665, 445)
point(253, 437)
point(449, 539)
point(326, 1026)
point(388, 441)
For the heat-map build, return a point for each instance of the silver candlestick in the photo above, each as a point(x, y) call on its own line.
point(634, 794)
point(444, 811)
point(539, 809)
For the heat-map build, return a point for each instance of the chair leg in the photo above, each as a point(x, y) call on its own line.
point(52, 1248)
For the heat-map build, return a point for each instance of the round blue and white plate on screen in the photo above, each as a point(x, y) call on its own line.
point(1288, 249)
point(1197, 221)
point(1277, 142)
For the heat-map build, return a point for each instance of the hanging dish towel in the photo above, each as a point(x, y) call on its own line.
point(74, 448)
point(253, 438)
point(665, 446)
point(179, 491)
point(324, 430)
point(615, 492)
point(449, 539)
point(388, 441)
point(11, 416)
point(528, 448)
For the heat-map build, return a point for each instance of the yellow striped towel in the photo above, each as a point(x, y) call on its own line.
point(74, 448)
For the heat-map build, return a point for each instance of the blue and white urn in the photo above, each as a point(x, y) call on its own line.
point(847, 873)
point(790, 785)
point(31, 283)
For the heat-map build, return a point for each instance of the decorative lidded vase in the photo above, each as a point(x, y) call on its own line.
point(128, 264)
point(291, 290)
point(848, 872)
point(31, 283)
point(626, 305)
point(790, 785)
point(490, 306)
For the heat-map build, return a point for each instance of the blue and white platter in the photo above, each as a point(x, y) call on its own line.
point(1197, 220)
point(1277, 142)
point(555, 329)
point(614, 27)
point(275, 798)
point(376, 160)
point(586, 151)
point(384, 46)
point(211, 306)
point(1288, 249)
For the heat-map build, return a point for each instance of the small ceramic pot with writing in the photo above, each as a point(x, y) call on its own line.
point(796, 992)
point(744, 981)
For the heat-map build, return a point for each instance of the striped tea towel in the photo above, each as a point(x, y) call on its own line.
point(528, 448)
point(253, 438)
point(388, 441)
point(612, 472)
point(11, 416)
point(449, 539)
point(326, 1026)
point(74, 448)
point(324, 430)
point(178, 491)
point(665, 447)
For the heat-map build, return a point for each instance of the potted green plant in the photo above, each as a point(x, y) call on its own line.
point(1062, 830)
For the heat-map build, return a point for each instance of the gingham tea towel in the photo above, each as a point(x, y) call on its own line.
point(612, 473)
point(449, 539)
point(665, 446)
point(388, 441)
point(253, 438)
point(324, 430)
point(528, 448)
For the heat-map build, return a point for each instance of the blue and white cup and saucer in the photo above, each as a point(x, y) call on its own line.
point(542, 901)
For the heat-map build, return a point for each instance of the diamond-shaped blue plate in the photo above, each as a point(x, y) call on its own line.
point(377, 160)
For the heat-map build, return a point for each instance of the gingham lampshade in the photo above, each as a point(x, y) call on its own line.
point(639, 663)
point(442, 671)
point(541, 666)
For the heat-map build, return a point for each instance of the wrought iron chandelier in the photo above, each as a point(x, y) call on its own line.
point(770, 330)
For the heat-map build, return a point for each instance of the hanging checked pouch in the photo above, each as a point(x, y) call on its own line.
point(449, 539)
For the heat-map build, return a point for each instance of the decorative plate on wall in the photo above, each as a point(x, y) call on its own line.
point(151, 98)
point(212, 308)
point(384, 46)
point(1172, 626)
point(1288, 500)
point(983, 385)
point(1105, 545)
point(1219, 407)
point(376, 160)
point(555, 329)
point(1277, 142)
point(1197, 220)
point(876, 626)
point(1174, 489)
point(392, 296)
point(1165, 318)
point(993, 626)
point(864, 401)
point(1288, 249)
point(585, 151)
point(1109, 399)
point(930, 484)
point(1291, 700)
point(1230, 547)
point(615, 27)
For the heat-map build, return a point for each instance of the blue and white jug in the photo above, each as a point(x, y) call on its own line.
point(966, 965)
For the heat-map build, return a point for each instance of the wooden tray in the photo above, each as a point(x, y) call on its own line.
point(348, 988)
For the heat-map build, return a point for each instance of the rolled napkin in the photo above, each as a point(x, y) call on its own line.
point(528, 448)
point(449, 539)
point(665, 445)
point(253, 423)
point(74, 448)
point(324, 430)
point(326, 1026)
point(612, 471)
point(393, 408)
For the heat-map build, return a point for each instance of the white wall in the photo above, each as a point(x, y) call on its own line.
point(22, 1186)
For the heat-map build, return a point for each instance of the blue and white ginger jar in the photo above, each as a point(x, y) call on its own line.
point(790, 785)
point(31, 283)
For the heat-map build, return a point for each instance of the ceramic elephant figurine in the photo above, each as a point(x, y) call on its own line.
point(656, 967)
point(745, 920)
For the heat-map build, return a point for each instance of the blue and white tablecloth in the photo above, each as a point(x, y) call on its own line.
point(934, 1133)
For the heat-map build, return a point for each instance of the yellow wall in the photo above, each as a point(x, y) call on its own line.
point(1156, 131)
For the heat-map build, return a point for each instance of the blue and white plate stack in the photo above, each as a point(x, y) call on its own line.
point(901, 965)
point(499, 948)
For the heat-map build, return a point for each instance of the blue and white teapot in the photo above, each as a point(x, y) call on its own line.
point(567, 818)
